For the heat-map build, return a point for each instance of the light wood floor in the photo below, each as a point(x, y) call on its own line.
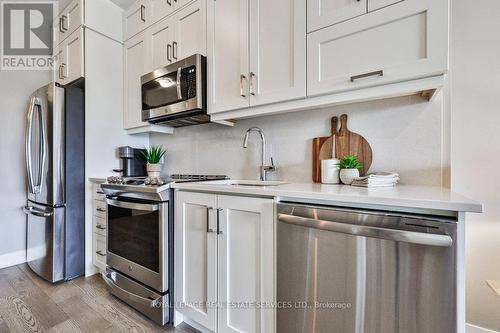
point(30, 304)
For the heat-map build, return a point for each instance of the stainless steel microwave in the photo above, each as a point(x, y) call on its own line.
point(175, 95)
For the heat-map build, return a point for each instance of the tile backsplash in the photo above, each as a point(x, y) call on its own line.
point(405, 135)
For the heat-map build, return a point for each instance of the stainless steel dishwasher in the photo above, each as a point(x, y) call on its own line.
point(360, 271)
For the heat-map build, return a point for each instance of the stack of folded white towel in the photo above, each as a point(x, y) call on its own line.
point(378, 179)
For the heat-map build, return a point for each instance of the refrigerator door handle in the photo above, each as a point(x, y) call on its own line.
point(43, 149)
point(30, 210)
point(28, 144)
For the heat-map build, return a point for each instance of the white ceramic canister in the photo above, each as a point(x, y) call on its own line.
point(330, 171)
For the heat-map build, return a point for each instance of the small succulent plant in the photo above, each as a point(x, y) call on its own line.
point(154, 154)
point(350, 162)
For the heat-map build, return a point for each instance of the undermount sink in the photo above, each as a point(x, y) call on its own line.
point(247, 182)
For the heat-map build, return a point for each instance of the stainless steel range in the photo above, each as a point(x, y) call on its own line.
point(140, 242)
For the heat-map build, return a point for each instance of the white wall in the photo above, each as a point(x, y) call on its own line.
point(15, 88)
point(405, 134)
point(475, 139)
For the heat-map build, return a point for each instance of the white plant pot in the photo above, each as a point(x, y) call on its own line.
point(154, 170)
point(347, 175)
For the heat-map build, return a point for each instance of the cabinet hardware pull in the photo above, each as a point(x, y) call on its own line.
point(219, 232)
point(252, 91)
point(174, 50)
point(100, 253)
point(101, 210)
point(209, 230)
point(100, 227)
point(63, 28)
point(99, 192)
point(242, 77)
point(169, 50)
point(63, 67)
point(169, 2)
point(143, 13)
point(365, 75)
point(60, 72)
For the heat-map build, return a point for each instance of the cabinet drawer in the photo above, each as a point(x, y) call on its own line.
point(99, 251)
point(100, 226)
point(100, 209)
point(137, 18)
point(322, 13)
point(397, 43)
point(97, 193)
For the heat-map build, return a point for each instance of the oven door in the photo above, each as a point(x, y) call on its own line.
point(137, 237)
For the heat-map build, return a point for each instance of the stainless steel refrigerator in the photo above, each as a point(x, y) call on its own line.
point(55, 209)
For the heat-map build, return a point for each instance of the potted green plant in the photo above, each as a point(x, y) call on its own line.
point(153, 156)
point(349, 168)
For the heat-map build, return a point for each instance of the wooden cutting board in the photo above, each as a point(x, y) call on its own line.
point(317, 144)
point(350, 143)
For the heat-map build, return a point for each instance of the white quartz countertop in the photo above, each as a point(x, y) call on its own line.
point(403, 196)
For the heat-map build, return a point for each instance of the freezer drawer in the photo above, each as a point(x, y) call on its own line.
point(45, 241)
point(364, 272)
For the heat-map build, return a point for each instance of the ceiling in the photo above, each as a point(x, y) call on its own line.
point(122, 3)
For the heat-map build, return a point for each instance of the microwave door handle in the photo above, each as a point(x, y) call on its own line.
point(178, 83)
point(28, 144)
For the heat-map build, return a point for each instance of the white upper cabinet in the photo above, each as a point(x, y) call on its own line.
point(160, 36)
point(68, 56)
point(322, 13)
point(257, 53)
point(190, 26)
point(228, 59)
point(67, 21)
point(161, 9)
point(402, 42)
point(277, 51)
point(137, 18)
point(136, 64)
point(377, 4)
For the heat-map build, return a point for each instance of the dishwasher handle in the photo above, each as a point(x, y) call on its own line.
point(412, 237)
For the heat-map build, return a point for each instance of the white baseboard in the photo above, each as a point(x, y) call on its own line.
point(12, 258)
point(469, 328)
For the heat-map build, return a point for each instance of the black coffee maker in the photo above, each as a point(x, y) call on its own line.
point(133, 162)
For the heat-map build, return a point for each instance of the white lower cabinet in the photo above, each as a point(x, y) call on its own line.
point(224, 249)
point(99, 228)
point(399, 43)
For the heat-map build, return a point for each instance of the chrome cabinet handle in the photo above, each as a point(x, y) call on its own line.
point(366, 75)
point(169, 50)
point(209, 230)
point(101, 210)
point(60, 25)
point(100, 253)
point(252, 91)
point(143, 13)
point(60, 72)
point(174, 50)
point(63, 67)
point(367, 231)
point(37, 212)
point(242, 77)
point(100, 227)
point(169, 2)
point(64, 19)
point(219, 232)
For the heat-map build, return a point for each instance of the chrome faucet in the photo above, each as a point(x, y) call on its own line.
point(264, 169)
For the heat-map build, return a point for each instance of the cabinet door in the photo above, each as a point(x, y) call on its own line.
point(246, 264)
point(136, 65)
point(161, 9)
point(277, 51)
point(397, 43)
point(228, 61)
point(377, 4)
point(58, 59)
point(137, 18)
point(190, 31)
point(322, 13)
point(196, 257)
point(73, 68)
point(160, 36)
point(73, 15)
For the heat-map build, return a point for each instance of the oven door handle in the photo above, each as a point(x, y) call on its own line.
point(132, 297)
point(132, 205)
